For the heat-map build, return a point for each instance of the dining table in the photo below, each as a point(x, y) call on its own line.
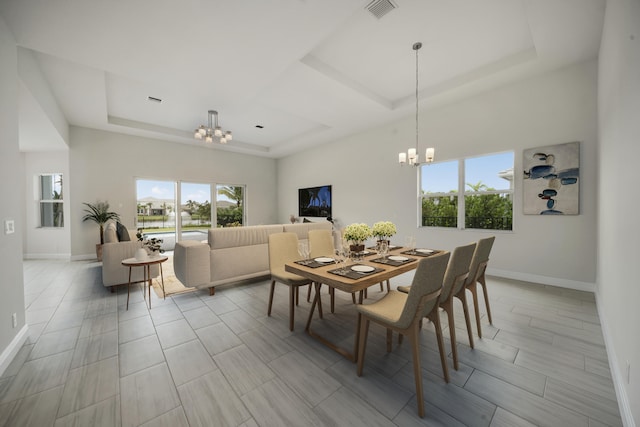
point(355, 279)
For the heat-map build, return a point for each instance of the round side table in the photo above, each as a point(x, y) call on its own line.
point(146, 265)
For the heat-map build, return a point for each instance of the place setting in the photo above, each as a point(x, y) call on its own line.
point(303, 250)
point(356, 271)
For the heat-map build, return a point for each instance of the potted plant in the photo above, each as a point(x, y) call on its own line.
point(356, 234)
point(99, 213)
point(383, 230)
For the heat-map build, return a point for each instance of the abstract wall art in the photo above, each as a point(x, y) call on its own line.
point(552, 180)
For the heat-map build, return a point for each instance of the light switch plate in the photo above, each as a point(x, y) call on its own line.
point(9, 226)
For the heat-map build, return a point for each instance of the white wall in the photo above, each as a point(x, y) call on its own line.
point(105, 165)
point(618, 290)
point(11, 284)
point(369, 185)
point(45, 242)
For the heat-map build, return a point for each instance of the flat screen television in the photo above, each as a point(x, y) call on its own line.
point(314, 201)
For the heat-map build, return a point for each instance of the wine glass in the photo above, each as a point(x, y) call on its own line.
point(303, 250)
point(383, 249)
point(411, 243)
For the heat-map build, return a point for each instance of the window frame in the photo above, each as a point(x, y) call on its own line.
point(462, 193)
point(52, 201)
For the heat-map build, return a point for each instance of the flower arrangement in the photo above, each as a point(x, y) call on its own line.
point(383, 229)
point(357, 233)
point(152, 244)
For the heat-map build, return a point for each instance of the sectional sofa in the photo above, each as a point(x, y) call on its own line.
point(231, 254)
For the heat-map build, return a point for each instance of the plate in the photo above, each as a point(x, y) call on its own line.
point(363, 268)
point(324, 260)
point(425, 251)
point(398, 258)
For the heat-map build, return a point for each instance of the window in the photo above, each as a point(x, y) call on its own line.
point(229, 205)
point(155, 204)
point(51, 202)
point(440, 194)
point(476, 192)
point(195, 207)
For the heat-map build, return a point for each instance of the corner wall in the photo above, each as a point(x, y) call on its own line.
point(11, 284)
point(369, 185)
point(618, 292)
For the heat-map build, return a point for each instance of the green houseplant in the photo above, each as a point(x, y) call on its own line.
point(100, 214)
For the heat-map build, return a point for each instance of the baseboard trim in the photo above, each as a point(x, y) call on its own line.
point(12, 349)
point(616, 373)
point(86, 257)
point(65, 257)
point(544, 280)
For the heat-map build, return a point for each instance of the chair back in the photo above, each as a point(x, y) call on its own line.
point(458, 270)
point(480, 259)
point(425, 288)
point(320, 243)
point(283, 248)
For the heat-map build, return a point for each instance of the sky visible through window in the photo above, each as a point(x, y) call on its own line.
point(443, 177)
point(200, 193)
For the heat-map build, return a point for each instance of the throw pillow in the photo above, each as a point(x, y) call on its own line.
point(123, 234)
point(110, 233)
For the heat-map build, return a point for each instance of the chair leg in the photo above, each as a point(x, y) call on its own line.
point(332, 293)
point(388, 286)
point(353, 297)
point(435, 318)
point(381, 287)
point(292, 293)
point(465, 308)
point(309, 294)
point(273, 285)
point(448, 307)
point(389, 340)
point(364, 330)
point(320, 313)
point(483, 282)
point(474, 294)
point(417, 371)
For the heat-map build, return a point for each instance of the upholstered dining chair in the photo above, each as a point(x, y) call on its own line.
point(453, 286)
point(476, 275)
point(283, 248)
point(403, 313)
point(321, 245)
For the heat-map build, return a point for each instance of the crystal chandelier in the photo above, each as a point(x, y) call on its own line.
point(412, 154)
point(213, 130)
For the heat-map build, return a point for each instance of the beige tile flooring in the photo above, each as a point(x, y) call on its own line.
point(200, 360)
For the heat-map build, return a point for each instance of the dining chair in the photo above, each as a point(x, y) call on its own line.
point(283, 248)
point(403, 312)
point(452, 286)
point(476, 275)
point(321, 245)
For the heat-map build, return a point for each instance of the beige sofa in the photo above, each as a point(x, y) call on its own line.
point(114, 251)
point(232, 254)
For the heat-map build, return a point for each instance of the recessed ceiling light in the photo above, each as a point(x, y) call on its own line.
point(154, 99)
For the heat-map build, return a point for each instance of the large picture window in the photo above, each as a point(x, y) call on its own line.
point(51, 201)
point(475, 193)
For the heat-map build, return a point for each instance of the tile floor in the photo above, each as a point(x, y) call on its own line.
point(200, 360)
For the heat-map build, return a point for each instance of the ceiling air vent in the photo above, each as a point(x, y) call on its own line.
point(379, 8)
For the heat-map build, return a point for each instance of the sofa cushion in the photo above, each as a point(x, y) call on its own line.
point(232, 237)
point(110, 233)
point(302, 230)
point(122, 232)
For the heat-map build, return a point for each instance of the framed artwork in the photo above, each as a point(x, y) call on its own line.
point(552, 180)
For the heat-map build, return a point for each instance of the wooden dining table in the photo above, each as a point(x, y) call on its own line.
point(326, 274)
